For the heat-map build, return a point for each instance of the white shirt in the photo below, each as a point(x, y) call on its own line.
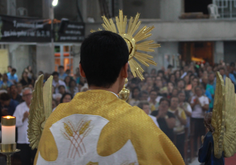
point(157, 99)
point(155, 120)
point(56, 96)
point(22, 126)
point(197, 109)
point(189, 109)
point(54, 83)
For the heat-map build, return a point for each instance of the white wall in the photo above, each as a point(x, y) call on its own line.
point(218, 51)
point(148, 9)
point(45, 58)
point(170, 9)
point(167, 48)
point(186, 30)
point(19, 57)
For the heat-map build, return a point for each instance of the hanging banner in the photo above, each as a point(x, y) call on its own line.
point(18, 29)
point(67, 31)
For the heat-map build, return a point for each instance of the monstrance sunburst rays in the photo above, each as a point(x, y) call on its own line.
point(137, 47)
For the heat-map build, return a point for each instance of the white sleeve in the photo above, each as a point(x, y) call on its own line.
point(19, 116)
point(157, 124)
point(189, 109)
point(154, 120)
point(192, 99)
point(206, 100)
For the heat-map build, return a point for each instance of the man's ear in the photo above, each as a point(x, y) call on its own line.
point(81, 71)
point(124, 70)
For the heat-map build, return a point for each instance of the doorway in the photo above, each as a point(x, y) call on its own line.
point(197, 51)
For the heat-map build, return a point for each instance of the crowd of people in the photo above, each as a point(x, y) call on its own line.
point(176, 99)
point(179, 99)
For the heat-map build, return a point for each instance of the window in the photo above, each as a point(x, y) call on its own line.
point(226, 8)
point(63, 57)
point(194, 6)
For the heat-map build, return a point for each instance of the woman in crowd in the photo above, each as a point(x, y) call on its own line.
point(67, 82)
point(25, 80)
point(177, 75)
point(183, 104)
point(194, 83)
point(54, 104)
point(188, 86)
point(199, 104)
point(175, 92)
point(172, 79)
point(66, 97)
point(73, 89)
point(30, 72)
point(135, 96)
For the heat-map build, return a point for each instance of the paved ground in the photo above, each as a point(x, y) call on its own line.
point(195, 162)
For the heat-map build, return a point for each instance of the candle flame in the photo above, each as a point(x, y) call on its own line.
point(8, 117)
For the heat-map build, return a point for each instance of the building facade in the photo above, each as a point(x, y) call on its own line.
point(185, 29)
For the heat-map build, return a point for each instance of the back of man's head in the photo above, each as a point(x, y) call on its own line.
point(4, 97)
point(232, 64)
point(55, 74)
point(103, 54)
point(13, 70)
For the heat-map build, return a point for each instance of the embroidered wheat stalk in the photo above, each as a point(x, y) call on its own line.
point(76, 136)
point(84, 127)
point(68, 129)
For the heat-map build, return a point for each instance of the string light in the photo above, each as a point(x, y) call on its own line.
point(54, 3)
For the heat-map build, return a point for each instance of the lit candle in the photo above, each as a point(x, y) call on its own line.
point(8, 129)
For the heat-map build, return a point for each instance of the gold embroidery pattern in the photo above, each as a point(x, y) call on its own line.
point(76, 135)
point(92, 163)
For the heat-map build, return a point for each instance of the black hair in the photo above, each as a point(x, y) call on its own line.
point(61, 86)
point(169, 66)
point(232, 64)
point(68, 70)
point(134, 89)
point(12, 86)
point(13, 70)
point(181, 92)
point(154, 91)
point(157, 89)
point(103, 54)
point(81, 83)
point(221, 68)
point(160, 71)
point(164, 99)
point(60, 67)
point(144, 92)
point(72, 80)
point(55, 74)
point(5, 97)
point(142, 103)
point(135, 80)
point(64, 95)
point(181, 80)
